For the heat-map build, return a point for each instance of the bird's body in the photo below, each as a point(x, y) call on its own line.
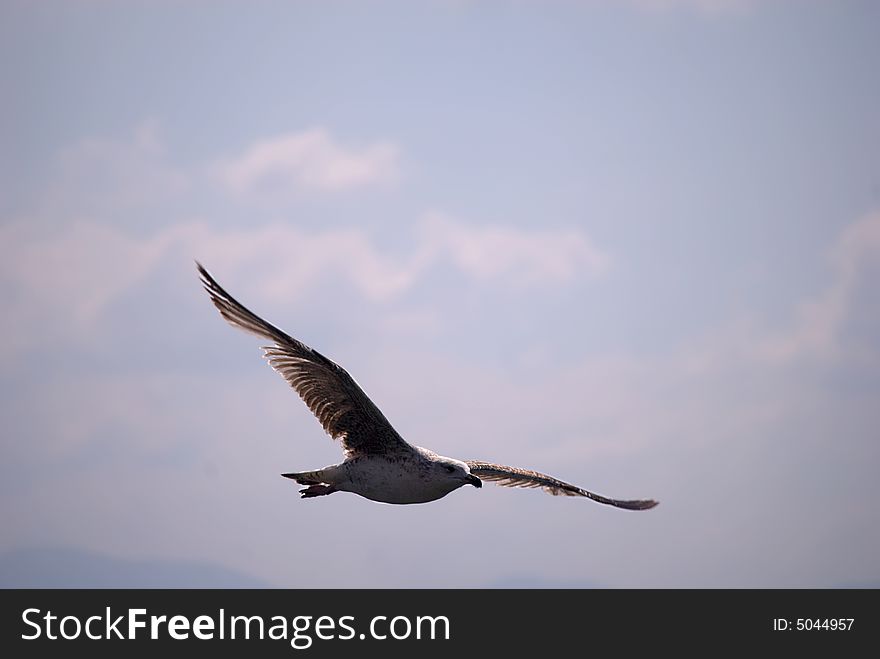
point(379, 464)
point(407, 477)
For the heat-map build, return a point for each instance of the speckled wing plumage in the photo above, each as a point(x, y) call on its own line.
point(340, 405)
point(515, 477)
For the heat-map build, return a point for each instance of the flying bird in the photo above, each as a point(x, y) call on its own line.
point(379, 464)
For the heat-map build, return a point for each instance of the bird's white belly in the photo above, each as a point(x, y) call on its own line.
point(390, 481)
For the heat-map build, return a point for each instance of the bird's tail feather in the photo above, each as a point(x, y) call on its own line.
point(306, 477)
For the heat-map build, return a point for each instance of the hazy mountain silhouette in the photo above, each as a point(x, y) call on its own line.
point(66, 567)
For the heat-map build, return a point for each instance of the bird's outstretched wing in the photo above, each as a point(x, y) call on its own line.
point(514, 477)
point(341, 406)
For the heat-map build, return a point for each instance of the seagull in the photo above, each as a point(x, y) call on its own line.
point(379, 464)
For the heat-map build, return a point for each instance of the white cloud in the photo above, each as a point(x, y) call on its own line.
point(89, 263)
point(288, 261)
point(520, 255)
point(68, 275)
point(60, 281)
point(292, 260)
point(311, 159)
point(816, 329)
point(104, 177)
point(99, 175)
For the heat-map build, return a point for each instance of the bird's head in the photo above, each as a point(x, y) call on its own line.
point(457, 471)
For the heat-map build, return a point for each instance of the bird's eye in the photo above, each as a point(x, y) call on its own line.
point(450, 469)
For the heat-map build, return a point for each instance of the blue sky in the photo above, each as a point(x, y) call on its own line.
point(633, 244)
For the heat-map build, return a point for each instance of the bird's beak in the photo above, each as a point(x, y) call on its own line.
point(473, 480)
